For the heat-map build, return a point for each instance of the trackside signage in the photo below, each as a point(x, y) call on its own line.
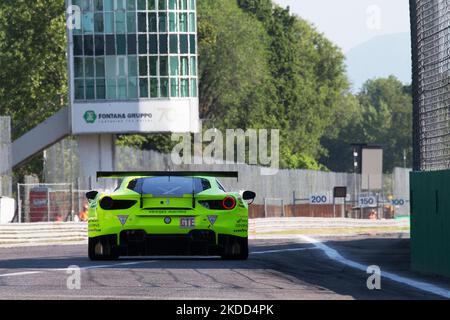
point(136, 117)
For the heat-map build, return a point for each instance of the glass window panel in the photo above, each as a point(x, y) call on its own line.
point(131, 22)
point(88, 22)
point(90, 89)
point(99, 67)
point(110, 41)
point(132, 66)
point(193, 66)
point(162, 22)
point(131, 44)
point(109, 22)
point(143, 66)
point(111, 67)
point(163, 66)
point(154, 87)
point(111, 91)
point(122, 68)
point(174, 87)
point(184, 43)
point(183, 22)
point(193, 88)
point(79, 89)
point(173, 22)
point(185, 88)
point(88, 45)
point(163, 43)
point(164, 88)
point(193, 43)
point(162, 5)
point(192, 6)
point(142, 44)
point(121, 44)
point(122, 88)
point(183, 4)
point(77, 3)
point(143, 87)
point(173, 4)
point(131, 5)
point(132, 88)
point(100, 89)
point(121, 5)
point(78, 45)
point(109, 5)
point(78, 68)
point(153, 44)
point(86, 5)
point(152, 4)
point(153, 66)
point(98, 22)
point(174, 66)
point(184, 70)
point(173, 43)
point(142, 4)
point(152, 22)
point(120, 22)
point(192, 22)
point(142, 22)
point(99, 45)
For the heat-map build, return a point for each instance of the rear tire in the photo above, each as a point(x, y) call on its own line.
point(236, 249)
point(102, 249)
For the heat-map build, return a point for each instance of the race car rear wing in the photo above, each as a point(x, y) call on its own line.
point(125, 174)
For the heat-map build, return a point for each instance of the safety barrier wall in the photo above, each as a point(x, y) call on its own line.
point(430, 222)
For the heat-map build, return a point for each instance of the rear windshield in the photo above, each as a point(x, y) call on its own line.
point(169, 186)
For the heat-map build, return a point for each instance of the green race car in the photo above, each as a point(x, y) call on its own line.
point(168, 214)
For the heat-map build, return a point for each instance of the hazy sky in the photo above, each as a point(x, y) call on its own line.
point(349, 23)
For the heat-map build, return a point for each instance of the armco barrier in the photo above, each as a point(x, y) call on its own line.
point(30, 234)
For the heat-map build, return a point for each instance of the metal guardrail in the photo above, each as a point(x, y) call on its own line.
point(34, 234)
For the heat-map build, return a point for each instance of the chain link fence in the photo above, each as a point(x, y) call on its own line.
point(430, 20)
point(57, 202)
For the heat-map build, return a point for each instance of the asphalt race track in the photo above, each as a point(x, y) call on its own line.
point(277, 269)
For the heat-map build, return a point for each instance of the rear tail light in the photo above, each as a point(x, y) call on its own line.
point(227, 204)
point(107, 203)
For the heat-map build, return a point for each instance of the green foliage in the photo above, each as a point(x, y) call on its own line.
point(33, 79)
point(380, 114)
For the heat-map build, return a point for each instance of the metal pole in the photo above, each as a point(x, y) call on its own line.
point(334, 207)
point(265, 208)
point(19, 204)
point(48, 205)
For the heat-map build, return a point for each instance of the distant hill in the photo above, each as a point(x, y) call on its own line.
point(380, 57)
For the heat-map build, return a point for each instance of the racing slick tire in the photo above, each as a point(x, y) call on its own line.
point(236, 250)
point(102, 249)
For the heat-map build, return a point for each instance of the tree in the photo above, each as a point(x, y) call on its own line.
point(381, 113)
point(33, 77)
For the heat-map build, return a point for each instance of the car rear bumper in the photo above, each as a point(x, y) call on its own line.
point(196, 243)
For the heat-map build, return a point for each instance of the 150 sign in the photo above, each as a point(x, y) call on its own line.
point(367, 202)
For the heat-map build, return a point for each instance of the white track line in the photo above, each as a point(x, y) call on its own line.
point(82, 268)
point(336, 256)
point(284, 250)
point(19, 273)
